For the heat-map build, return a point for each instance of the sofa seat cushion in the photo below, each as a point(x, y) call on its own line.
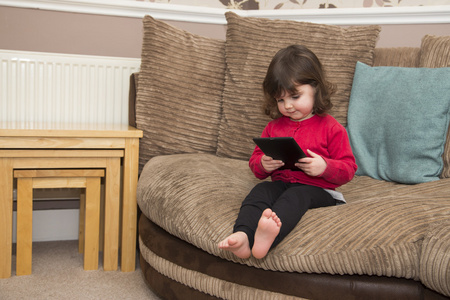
point(435, 258)
point(187, 272)
point(381, 231)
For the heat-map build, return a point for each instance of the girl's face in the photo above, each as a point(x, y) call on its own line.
point(298, 106)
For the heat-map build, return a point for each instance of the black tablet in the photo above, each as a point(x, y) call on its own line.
point(285, 149)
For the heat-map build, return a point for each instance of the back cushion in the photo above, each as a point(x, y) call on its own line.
point(180, 86)
point(252, 42)
point(435, 53)
point(397, 57)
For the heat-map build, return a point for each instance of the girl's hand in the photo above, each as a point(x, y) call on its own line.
point(312, 166)
point(269, 164)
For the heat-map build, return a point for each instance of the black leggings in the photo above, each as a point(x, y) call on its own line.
point(289, 201)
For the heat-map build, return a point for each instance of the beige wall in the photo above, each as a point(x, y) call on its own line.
point(61, 32)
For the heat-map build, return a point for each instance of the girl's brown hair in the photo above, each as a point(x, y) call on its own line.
point(293, 66)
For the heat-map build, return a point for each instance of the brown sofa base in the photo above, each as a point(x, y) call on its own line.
point(310, 286)
point(167, 288)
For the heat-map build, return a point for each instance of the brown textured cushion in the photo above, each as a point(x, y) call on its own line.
point(251, 44)
point(180, 86)
point(435, 53)
point(383, 230)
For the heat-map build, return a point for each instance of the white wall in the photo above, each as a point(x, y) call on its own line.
point(113, 30)
point(52, 225)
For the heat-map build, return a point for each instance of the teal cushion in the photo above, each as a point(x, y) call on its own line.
point(398, 120)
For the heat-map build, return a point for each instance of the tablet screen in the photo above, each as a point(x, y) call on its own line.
point(285, 149)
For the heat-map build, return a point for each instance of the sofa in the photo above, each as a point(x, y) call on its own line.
point(198, 102)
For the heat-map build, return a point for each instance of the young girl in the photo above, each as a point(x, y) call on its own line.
point(297, 97)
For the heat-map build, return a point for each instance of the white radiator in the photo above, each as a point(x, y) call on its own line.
point(64, 88)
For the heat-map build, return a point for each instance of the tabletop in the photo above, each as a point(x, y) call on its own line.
point(24, 129)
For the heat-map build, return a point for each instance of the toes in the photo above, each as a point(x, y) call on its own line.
point(267, 213)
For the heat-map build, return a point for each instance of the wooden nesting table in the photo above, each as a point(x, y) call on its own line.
point(114, 148)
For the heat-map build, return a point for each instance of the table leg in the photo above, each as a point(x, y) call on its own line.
point(129, 206)
point(112, 215)
point(81, 219)
point(6, 197)
point(92, 220)
point(24, 226)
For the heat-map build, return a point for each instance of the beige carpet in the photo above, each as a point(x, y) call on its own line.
point(58, 274)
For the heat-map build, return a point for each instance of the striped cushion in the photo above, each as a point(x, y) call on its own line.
point(180, 87)
point(435, 53)
point(379, 232)
point(250, 45)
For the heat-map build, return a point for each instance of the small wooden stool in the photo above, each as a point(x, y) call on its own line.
point(27, 180)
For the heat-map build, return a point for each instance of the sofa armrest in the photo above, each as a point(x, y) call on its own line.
point(132, 99)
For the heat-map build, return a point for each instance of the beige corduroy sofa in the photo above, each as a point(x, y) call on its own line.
point(198, 99)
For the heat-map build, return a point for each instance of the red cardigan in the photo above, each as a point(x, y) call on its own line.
point(320, 134)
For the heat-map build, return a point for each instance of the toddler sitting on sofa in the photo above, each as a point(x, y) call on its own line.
point(297, 97)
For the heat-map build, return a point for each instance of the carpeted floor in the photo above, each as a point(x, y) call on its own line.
point(58, 274)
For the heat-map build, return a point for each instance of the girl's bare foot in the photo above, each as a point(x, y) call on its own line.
point(268, 228)
point(238, 244)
